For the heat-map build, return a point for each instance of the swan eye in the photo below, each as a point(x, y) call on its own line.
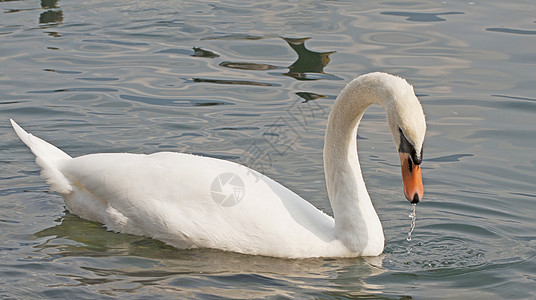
point(406, 147)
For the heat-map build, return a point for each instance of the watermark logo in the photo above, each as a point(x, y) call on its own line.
point(227, 189)
point(283, 133)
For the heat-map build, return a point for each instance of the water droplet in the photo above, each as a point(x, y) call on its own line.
point(413, 217)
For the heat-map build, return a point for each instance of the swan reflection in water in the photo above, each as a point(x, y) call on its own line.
point(150, 265)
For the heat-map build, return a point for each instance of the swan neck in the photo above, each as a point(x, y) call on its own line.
point(356, 223)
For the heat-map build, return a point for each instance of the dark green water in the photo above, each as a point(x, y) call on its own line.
point(223, 79)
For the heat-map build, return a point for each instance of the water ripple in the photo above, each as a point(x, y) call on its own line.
point(173, 102)
point(422, 17)
point(511, 30)
point(104, 90)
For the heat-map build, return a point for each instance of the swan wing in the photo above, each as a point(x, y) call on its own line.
point(193, 201)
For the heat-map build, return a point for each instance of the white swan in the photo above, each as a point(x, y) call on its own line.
point(191, 201)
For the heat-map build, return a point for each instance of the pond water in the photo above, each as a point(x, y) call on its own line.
point(253, 82)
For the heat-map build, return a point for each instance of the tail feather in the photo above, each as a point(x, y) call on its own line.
point(48, 157)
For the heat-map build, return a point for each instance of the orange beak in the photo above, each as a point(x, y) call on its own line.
point(412, 179)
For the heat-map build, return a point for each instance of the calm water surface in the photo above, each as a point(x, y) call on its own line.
point(253, 82)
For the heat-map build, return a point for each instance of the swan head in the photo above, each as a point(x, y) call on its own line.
point(405, 118)
point(407, 125)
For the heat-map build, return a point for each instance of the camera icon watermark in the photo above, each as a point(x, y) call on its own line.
point(227, 189)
